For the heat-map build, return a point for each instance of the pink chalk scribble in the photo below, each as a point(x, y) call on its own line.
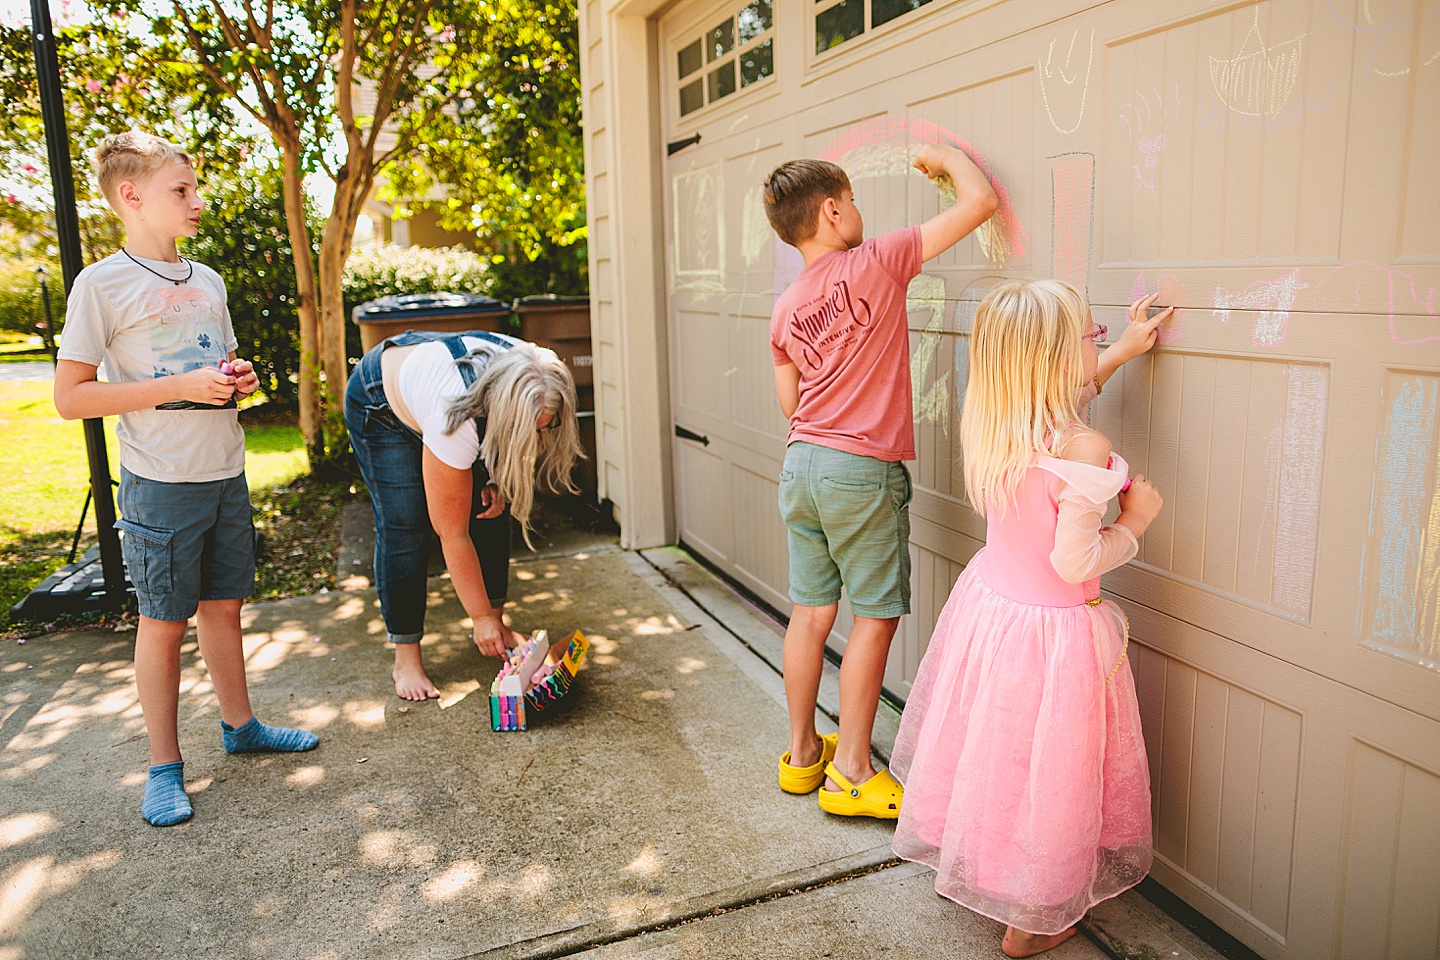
point(883, 145)
point(1073, 218)
point(1406, 304)
point(1172, 293)
point(1150, 126)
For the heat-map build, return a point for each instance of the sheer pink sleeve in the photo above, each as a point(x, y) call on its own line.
point(1084, 549)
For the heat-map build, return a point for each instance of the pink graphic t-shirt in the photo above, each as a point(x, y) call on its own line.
point(843, 324)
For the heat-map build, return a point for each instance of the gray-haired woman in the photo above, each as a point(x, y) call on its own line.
point(452, 431)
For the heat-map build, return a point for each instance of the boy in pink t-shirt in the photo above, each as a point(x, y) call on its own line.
point(842, 372)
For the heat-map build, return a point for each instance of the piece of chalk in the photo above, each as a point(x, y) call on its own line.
point(1126, 486)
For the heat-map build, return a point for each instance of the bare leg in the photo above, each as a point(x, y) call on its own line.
point(802, 661)
point(411, 681)
point(157, 681)
point(862, 671)
point(1018, 943)
point(217, 625)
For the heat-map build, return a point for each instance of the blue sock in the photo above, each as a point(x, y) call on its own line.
point(255, 736)
point(165, 801)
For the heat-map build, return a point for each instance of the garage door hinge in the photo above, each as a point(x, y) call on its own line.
point(684, 434)
point(678, 145)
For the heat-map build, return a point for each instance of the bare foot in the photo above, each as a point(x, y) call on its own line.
point(411, 683)
point(1018, 943)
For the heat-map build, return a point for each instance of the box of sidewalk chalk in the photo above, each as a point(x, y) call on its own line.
point(537, 681)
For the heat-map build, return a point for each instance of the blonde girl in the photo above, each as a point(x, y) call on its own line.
point(1026, 786)
point(454, 431)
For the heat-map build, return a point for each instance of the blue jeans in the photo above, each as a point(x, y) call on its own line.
point(389, 454)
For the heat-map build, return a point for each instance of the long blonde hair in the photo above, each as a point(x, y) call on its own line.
point(516, 388)
point(1026, 367)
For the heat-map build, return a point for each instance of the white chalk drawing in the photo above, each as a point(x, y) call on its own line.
point(1392, 48)
point(1258, 80)
point(1272, 299)
point(754, 227)
point(933, 403)
point(1403, 549)
point(1302, 463)
point(699, 231)
point(1069, 74)
point(1147, 134)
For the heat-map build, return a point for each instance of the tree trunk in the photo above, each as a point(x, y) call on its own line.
point(335, 245)
point(312, 426)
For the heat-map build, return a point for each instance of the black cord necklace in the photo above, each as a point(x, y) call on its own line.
point(190, 273)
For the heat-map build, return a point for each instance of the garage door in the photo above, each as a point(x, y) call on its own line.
point(1271, 168)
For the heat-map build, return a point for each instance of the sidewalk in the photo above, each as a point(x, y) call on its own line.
point(645, 823)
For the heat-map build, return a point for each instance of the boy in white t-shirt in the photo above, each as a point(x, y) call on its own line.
point(160, 324)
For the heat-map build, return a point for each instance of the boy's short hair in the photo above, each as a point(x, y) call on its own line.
point(794, 192)
point(130, 156)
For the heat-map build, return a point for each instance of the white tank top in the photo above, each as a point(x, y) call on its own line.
point(429, 382)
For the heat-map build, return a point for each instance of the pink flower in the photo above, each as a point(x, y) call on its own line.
point(11, 198)
point(31, 168)
point(93, 86)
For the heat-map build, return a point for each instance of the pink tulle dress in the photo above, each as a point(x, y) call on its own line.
point(1026, 785)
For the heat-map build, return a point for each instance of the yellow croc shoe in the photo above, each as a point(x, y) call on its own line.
point(806, 779)
point(878, 797)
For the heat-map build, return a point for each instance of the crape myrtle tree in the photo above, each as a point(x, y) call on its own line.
point(347, 89)
point(509, 159)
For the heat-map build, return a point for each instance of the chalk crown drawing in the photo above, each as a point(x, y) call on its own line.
point(1258, 80)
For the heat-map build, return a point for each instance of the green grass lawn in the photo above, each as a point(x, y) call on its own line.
point(44, 475)
point(20, 349)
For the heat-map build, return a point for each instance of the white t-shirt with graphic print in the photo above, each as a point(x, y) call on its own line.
point(137, 326)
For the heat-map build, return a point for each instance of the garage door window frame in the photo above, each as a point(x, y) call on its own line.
point(718, 63)
point(853, 22)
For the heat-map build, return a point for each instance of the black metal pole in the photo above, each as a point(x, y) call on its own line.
point(67, 233)
point(49, 336)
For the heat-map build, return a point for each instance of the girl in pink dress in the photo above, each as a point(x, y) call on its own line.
point(1026, 785)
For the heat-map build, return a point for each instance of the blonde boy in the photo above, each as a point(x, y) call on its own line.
point(842, 372)
point(160, 324)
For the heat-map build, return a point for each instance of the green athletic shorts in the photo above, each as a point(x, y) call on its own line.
point(848, 518)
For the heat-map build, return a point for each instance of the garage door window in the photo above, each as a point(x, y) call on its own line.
point(837, 22)
point(729, 56)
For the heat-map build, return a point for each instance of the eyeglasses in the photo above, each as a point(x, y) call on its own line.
point(1098, 333)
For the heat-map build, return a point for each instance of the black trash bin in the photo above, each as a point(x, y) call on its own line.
point(446, 312)
point(563, 325)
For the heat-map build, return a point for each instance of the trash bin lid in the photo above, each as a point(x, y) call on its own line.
point(543, 300)
point(417, 305)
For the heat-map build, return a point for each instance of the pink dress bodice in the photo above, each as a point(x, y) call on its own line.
point(1049, 548)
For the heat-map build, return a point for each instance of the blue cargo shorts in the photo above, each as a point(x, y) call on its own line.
point(848, 519)
point(186, 542)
